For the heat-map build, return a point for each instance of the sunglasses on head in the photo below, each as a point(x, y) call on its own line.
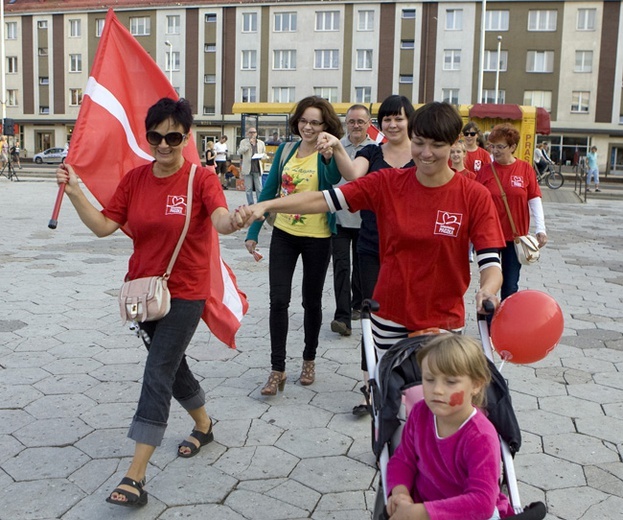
point(472, 134)
point(172, 138)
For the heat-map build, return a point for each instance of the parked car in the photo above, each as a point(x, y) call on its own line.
point(51, 155)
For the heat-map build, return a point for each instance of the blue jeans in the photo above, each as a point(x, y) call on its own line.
point(510, 270)
point(166, 371)
point(252, 181)
point(284, 252)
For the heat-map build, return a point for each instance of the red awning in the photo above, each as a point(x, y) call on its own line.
point(484, 110)
point(542, 121)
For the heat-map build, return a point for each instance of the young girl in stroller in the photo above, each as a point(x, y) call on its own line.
point(448, 461)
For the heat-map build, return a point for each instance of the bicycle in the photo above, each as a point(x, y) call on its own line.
point(554, 179)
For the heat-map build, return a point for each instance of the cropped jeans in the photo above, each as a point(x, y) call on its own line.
point(285, 250)
point(166, 371)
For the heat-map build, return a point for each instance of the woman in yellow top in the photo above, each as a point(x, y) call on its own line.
point(308, 236)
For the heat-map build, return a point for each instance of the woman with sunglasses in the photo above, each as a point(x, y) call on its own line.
point(299, 168)
point(477, 156)
point(150, 201)
point(523, 195)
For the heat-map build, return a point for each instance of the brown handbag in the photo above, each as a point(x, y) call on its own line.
point(149, 299)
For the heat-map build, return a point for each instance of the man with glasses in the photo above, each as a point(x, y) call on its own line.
point(347, 289)
point(253, 152)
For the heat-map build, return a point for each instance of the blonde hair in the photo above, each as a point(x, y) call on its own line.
point(457, 355)
point(460, 144)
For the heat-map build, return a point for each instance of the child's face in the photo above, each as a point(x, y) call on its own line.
point(457, 155)
point(448, 397)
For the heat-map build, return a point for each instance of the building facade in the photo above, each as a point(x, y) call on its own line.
point(565, 56)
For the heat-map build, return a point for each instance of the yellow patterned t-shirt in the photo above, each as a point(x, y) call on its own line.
point(301, 175)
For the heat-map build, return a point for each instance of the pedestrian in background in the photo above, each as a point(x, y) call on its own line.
point(477, 156)
point(220, 149)
point(253, 152)
point(593, 169)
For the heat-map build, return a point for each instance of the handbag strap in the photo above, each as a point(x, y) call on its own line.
point(189, 205)
point(508, 210)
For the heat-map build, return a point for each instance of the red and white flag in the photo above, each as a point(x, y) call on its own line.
point(109, 140)
point(376, 135)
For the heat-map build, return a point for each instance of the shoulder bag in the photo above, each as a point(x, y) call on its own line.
point(526, 246)
point(287, 148)
point(149, 299)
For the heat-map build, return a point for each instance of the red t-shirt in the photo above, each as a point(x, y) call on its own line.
point(475, 160)
point(519, 183)
point(424, 235)
point(466, 173)
point(154, 210)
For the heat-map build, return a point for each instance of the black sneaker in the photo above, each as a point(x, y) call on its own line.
point(597, 189)
point(355, 315)
point(341, 328)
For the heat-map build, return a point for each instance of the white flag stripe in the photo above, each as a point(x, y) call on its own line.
point(105, 98)
point(231, 297)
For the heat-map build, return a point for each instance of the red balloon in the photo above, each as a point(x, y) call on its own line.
point(527, 326)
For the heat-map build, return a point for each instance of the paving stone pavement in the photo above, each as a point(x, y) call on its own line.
point(70, 377)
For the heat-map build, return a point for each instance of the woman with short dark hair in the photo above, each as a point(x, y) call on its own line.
point(151, 201)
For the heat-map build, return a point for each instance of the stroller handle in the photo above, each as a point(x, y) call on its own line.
point(488, 307)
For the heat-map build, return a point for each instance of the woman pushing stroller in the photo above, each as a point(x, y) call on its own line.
point(427, 215)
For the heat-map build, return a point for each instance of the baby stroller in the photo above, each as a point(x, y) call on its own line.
point(397, 373)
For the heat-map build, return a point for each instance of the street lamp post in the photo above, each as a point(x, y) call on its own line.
point(483, 21)
point(497, 70)
point(170, 46)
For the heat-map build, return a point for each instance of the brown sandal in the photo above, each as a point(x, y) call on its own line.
point(308, 373)
point(276, 380)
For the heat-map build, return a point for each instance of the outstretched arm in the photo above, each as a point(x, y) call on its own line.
point(349, 169)
point(304, 203)
point(94, 219)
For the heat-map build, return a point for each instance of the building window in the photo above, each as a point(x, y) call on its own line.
point(75, 97)
point(542, 20)
point(44, 111)
point(491, 61)
point(406, 78)
point(99, 26)
point(365, 21)
point(175, 57)
point(209, 110)
point(11, 64)
point(496, 21)
point(488, 96)
point(538, 98)
point(249, 22)
point(248, 60)
point(363, 94)
point(326, 59)
point(452, 59)
point(408, 14)
point(42, 24)
point(586, 19)
point(173, 24)
point(583, 61)
point(75, 29)
point(75, 63)
point(11, 97)
point(283, 95)
point(284, 60)
point(140, 26)
point(450, 95)
point(11, 30)
point(209, 47)
point(248, 94)
point(579, 101)
point(540, 61)
point(364, 59)
point(209, 79)
point(210, 18)
point(285, 22)
point(328, 93)
point(327, 20)
point(454, 19)
point(407, 45)
point(44, 80)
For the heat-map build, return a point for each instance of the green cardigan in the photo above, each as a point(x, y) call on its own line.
point(328, 175)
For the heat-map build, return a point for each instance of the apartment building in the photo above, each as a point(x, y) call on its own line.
point(565, 56)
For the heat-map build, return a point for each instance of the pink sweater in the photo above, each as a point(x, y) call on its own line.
point(455, 477)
